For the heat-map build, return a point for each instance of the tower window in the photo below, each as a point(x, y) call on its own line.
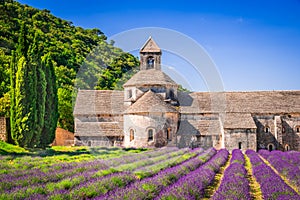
point(150, 135)
point(150, 63)
point(131, 134)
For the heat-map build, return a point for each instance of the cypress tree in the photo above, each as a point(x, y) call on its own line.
point(12, 93)
point(25, 112)
point(51, 103)
point(38, 89)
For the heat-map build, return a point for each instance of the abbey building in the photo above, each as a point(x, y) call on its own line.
point(151, 112)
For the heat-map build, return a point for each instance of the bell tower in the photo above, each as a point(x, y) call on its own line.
point(150, 55)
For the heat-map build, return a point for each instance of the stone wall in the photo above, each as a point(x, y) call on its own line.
point(290, 133)
point(3, 131)
point(240, 139)
point(160, 123)
point(266, 132)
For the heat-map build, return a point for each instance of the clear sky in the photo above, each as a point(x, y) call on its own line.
point(255, 44)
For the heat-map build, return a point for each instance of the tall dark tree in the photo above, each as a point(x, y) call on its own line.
point(12, 94)
point(39, 83)
point(25, 104)
point(51, 103)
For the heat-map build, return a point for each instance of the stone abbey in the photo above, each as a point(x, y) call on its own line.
point(151, 112)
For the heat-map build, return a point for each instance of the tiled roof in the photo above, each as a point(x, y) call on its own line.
point(150, 46)
point(263, 102)
point(99, 129)
point(238, 120)
point(149, 77)
point(150, 103)
point(199, 127)
point(95, 102)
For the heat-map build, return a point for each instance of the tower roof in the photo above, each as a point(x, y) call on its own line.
point(150, 46)
point(150, 77)
point(150, 103)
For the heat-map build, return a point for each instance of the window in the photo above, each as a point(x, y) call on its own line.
point(283, 130)
point(297, 129)
point(150, 63)
point(89, 143)
point(169, 134)
point(287, 147)
point(150, 135)
point(129, 94)
point(267, 129)
point(271, 147)
point(240, 145)
point(131, 134)
point(248, 130)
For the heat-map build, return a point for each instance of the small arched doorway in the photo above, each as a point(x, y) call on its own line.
point(271, 147)
point(287, 147)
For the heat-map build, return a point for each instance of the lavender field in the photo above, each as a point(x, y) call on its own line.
point(166, 173)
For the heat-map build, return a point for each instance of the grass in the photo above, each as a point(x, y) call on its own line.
point(210, 190)
point(255, 190)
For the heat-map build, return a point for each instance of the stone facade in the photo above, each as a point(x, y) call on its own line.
point(3, 129)
point(151, 112)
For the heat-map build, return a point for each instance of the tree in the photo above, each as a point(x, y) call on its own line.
point(39, 85)
point(12, 94)
point(51, 103)
point(25, 104)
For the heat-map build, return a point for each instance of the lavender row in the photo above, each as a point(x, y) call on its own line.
point(290, 171)
point(234, 184)
point(192, 185)
point(150, 187)
point(66, 166)
point(71, 177)
point(37, 177)
point(150, 161)
point(272, 186)
point(157, 166)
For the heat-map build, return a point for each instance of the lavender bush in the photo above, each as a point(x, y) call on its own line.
point(279, 160)
point(192, 185)
point(234, 184)
point(272, 186)
point(150, 187)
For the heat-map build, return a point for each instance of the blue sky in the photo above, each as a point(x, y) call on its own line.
point(254, 44)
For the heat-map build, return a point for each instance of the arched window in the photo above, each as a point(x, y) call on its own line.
point(150, 62)
point(169, 134)
point(297, 129)
point(267, 129)
point(240, 145)
point(271, 147)
point(131, 134)
point(150, 135)
point(287, 147)
point(283, 130)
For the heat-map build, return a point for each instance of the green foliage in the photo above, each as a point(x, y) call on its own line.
point(5, 105)
point(51, 103)
point(73, 49)
point(118, 72)
point(25, 112)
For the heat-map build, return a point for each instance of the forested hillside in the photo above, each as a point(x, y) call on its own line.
point(72, 49)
